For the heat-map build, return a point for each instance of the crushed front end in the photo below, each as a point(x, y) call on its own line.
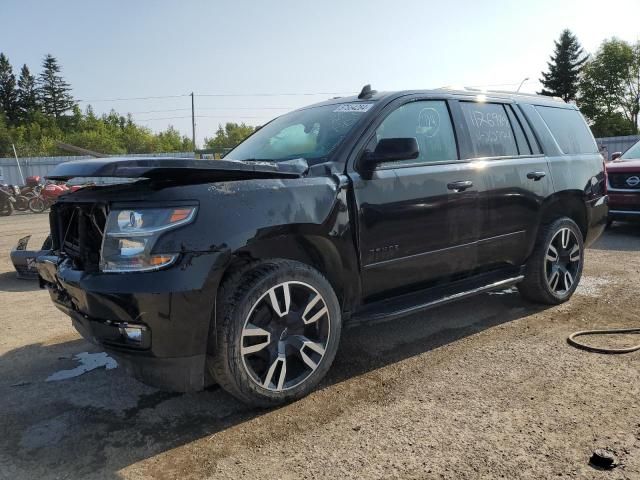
point(130, 284)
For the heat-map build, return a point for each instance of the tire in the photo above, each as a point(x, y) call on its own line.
point(265, 355)
point(6, 208)
point(22, 203)
point(37, 205)
point(541, 284)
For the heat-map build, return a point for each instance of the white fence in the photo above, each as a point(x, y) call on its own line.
point(41, 166)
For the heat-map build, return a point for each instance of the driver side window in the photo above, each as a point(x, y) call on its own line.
point(427, 121)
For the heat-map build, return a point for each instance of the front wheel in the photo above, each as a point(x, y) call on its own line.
point(555, 266)
point(37, 205)
point(22, 203)
point(277, 332)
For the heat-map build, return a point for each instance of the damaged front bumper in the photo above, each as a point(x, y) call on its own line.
point(156, 324)
point(24, 261)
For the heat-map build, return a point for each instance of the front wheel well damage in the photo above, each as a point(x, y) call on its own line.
point(316, 252)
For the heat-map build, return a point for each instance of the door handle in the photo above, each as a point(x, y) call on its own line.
point(536, 175)
point(460, 186)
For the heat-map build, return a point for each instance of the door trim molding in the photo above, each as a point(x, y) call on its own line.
point(441, 250)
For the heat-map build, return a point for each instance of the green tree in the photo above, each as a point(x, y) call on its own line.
point(37, 127)
point(610, 88)
point(564, 68)
point(27, 95)
point(8, 92)
point(229, 136)
point(53, 90)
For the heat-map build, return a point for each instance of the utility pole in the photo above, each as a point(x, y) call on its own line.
point(193, 123)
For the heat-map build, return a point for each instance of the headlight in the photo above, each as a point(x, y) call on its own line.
point(130, 235)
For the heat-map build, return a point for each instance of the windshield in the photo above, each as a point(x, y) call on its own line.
point(312, 134)
point(632, 153)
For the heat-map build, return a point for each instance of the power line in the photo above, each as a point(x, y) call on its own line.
point(246, 108)
point(158, 97)
point(131, 98)
point(202, 116)
point(212, 108)
point(160, 111)
point(270, 94)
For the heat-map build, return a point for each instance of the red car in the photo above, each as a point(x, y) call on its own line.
point(623, 185)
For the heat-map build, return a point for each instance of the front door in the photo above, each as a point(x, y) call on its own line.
point(418, 219)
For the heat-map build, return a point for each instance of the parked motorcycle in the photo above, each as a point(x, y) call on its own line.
point(48, 196)
point(26, 193)
point(23, 193)
point(6, 201)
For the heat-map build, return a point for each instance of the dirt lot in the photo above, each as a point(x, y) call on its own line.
point(486, 388)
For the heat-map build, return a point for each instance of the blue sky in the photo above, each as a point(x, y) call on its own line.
point(122, 49)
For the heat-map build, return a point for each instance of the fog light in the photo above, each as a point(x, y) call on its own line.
point(132, 334)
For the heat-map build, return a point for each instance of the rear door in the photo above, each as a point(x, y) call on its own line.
point(515, 180)
point(415, 226)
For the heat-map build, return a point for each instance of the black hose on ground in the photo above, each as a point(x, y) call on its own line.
point(572, 341)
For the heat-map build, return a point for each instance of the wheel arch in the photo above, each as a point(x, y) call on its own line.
point(316, 251)
point(567, 203)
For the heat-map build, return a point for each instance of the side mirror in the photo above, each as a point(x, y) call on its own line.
point(615, 155)
point(390, 150)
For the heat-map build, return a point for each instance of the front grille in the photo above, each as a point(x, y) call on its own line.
point(77, 231)
point(621, 180)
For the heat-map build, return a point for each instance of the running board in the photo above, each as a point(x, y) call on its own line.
point(417, 302)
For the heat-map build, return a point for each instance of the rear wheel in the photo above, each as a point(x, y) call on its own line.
point(6, 208)
point(555, 266)
point(277, 331)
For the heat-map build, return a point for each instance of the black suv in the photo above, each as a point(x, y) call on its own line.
point(243, 271)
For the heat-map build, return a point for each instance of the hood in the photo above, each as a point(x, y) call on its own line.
point(179, 169)
point(623, 166)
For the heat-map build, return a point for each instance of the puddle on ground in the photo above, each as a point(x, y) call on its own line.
point(88, 361)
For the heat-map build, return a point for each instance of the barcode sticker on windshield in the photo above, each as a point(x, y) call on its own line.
point(354, 107)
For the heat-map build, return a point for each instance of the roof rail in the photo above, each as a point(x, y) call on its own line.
point(506, 92)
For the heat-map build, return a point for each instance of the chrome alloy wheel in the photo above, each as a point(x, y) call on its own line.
point(562, 262)
point(285, 336)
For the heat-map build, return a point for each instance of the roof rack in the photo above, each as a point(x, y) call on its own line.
point(505, 92)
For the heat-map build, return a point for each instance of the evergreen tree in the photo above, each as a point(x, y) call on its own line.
point(54, 91)
point(564, 68)
point(8, 92)
point(27, 94)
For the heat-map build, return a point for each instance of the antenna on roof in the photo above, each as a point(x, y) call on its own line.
point(366, 92)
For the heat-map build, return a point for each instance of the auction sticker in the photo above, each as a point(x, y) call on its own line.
point(354, 107)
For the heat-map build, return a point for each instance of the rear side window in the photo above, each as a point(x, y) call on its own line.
point(523, 144)
point(429, 123)
point(569, 129)
point(490, 130)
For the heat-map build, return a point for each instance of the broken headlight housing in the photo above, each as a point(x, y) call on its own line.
point(131, 233)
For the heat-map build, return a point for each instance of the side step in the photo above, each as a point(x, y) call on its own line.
point(411, 303)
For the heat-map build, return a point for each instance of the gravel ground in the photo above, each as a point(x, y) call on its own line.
point(485, 388)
